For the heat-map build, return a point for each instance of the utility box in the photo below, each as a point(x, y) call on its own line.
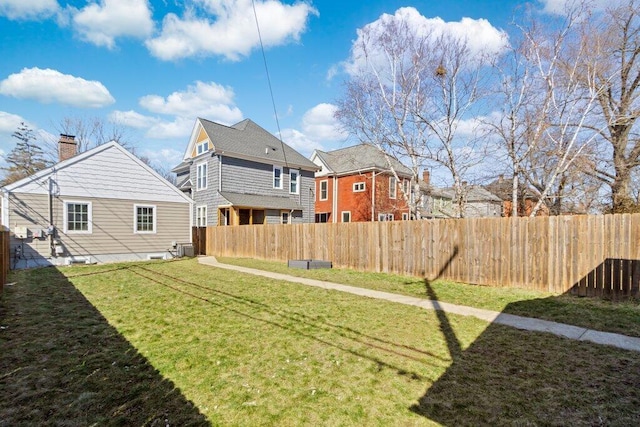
point(308, 264)
point(21, 232)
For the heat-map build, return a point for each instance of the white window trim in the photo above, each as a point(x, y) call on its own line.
point(297, 172)
point(198, 207)
point(326, 182)
point(342, 216)
point(405, 216)
point(393, 189)
point(206, 172)
point(135, 219)
point(66, 216)
point(361, 184)
point(273, 181)
point(200, 144)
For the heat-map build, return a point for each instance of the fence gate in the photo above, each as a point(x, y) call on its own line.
point(199, 239)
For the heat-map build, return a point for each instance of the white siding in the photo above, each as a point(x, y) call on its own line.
point(108, 173)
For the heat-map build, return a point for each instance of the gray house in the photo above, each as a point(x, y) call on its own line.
point(102, 205)
point(440, 202)
point(242, 174)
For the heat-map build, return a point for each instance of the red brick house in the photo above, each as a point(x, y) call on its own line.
point(357, 184)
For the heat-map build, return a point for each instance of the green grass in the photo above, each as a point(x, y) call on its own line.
point(135, 344)
point(619, 317)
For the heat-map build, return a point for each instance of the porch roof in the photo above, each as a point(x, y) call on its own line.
point(260, 201)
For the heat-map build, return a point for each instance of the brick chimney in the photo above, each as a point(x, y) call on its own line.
point(426, 177)
point(67, 147)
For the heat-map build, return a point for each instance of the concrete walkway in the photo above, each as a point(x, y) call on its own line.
point(519, 322)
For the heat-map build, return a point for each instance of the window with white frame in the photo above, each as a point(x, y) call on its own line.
point(405, 216)
point(78, 217)
point(324, 190)
point(144, 219)
point(201, 216)
point(201, 176)
point(393, 187)
point(406, 187)
point(322, 217)
point(358, 187)
point(346, 216)
point(202, 147)
point(277, 177)
point(294, 184)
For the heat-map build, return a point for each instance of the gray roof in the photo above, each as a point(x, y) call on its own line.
point(184, 166)
point(474, 194)
point(247, 139)
point(259, 201)
point(184, 184)
point(360, 157)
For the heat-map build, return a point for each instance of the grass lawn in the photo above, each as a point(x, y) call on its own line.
point(179, 343)
point(620, 317)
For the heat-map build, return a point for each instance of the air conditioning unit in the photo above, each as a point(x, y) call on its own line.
point(21, 232)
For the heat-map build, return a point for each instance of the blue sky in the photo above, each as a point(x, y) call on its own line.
point(154, 66)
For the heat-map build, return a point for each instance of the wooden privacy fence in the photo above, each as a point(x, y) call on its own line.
point(199, 239)
point(4, 256)
point(554, 254)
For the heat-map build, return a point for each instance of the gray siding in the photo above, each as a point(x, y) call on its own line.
point(112, 232)
point(244, 176)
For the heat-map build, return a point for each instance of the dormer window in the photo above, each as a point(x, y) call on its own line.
point(202, 147)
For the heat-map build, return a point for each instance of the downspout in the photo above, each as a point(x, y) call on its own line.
point(51, 228)
point(373, 196)
point(334, 208)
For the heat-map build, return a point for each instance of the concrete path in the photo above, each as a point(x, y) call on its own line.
point(519, 322)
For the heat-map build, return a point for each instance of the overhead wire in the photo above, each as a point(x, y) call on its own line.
point(273, 102)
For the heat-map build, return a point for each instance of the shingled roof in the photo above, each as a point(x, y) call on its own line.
point(248, 140)
point(359, 158)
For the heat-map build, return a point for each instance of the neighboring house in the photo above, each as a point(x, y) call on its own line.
point(503, 188)
point(99, 206)
point(356, 184)
point(440, 202)
point(242, 174)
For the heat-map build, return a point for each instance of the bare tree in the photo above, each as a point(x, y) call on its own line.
point(26, 158)
point(408, 92)
point(612, 59)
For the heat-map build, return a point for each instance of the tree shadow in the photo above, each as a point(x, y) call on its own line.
point(509, 376)
point(62, 363)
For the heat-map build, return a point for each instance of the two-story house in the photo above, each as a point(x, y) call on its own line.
point(357, 184)
point(242, 174)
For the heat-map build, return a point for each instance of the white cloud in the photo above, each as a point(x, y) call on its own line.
point(300, 142)
point(179, 128)
point(28, 9)
point(560, 7)
point(481, 37)
point(101, 23)
point(210, 100)
point(233, 32)
point(49, 86)
point(165, 156)
point(320, 124)
point(133, 119)
point(10, 122)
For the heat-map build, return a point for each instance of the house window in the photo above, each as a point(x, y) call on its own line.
point(346, 216)
point(78, 217)
point(385, 217)
point(406, 187)
point(145, 219)
point(393, 187)
point(405, 216)
point(201, 176)
point(294, 177)
point(284, 217)
point(202, 147)
point(322, 217)
point(277, 177)
point(358, 187)
point(201, 216)
point(324, 190)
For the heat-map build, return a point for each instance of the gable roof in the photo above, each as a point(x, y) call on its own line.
point(247, 140)
point(65, 171)
point(359, 158)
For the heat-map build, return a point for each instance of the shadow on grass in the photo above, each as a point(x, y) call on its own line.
point(61, 363)
point(513, 377)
